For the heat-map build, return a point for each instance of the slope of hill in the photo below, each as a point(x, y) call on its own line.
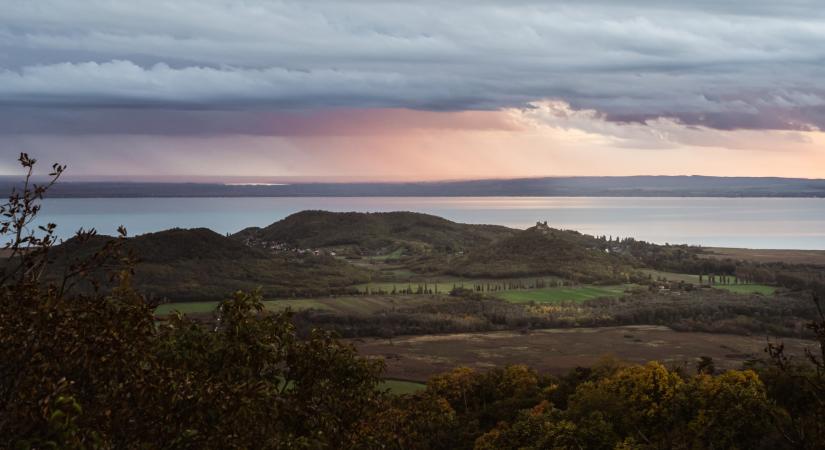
point(199, 264)
point(169, 245)
point(433, 246)
point(541, 250)
point(377, 233)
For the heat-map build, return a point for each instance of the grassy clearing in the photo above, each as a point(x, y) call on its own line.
point(669, 276)
point(401, 387)
point(397, 253)
point(398, 273)
point(561, 294)
point(747, 288)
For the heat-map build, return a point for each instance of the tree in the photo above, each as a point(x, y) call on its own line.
point(705, 365)
point(798, 387)
point(638, 402)
point(726, 411)
point(546, 427)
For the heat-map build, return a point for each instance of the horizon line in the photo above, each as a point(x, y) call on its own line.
point(253, 180)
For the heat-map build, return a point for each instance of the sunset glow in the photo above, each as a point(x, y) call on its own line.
point(547, 139)
point(391, 91)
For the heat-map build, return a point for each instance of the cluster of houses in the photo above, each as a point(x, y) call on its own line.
point(283, 247)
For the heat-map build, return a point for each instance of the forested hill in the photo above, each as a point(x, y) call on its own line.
point(317, 253)
point(632, 186)
point(541, 250)
point(433, 246)
point(377, 232)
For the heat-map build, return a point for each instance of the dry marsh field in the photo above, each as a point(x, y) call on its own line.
point(560, 350)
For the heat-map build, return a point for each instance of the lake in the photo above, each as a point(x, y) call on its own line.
point(793, 223)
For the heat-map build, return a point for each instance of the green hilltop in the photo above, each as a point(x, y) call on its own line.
point(377, 233)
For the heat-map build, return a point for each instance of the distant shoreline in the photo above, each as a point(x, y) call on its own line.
point(633, 186)
point(172, 196)
point(775, 223)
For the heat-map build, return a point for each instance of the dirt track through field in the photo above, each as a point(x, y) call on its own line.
point(559, 350)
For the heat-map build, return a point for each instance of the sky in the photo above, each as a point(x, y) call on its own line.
point(428, 90)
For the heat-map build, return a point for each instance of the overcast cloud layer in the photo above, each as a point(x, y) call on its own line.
point(169, 67)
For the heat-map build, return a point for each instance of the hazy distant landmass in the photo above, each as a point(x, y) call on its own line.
point(631, 186)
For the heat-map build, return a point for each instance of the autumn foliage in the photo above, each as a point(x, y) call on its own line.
point(94, 368)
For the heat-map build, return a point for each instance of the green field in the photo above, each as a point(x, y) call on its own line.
point(747, 288)
point(561, 294)
point(737, 288)
point(400, 387)
point(374, 303)
point(446, 284)
point(341, 305)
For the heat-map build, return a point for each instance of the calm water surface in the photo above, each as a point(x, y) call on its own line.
point(730, 222)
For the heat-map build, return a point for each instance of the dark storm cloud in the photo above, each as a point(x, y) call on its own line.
point(180, 67)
